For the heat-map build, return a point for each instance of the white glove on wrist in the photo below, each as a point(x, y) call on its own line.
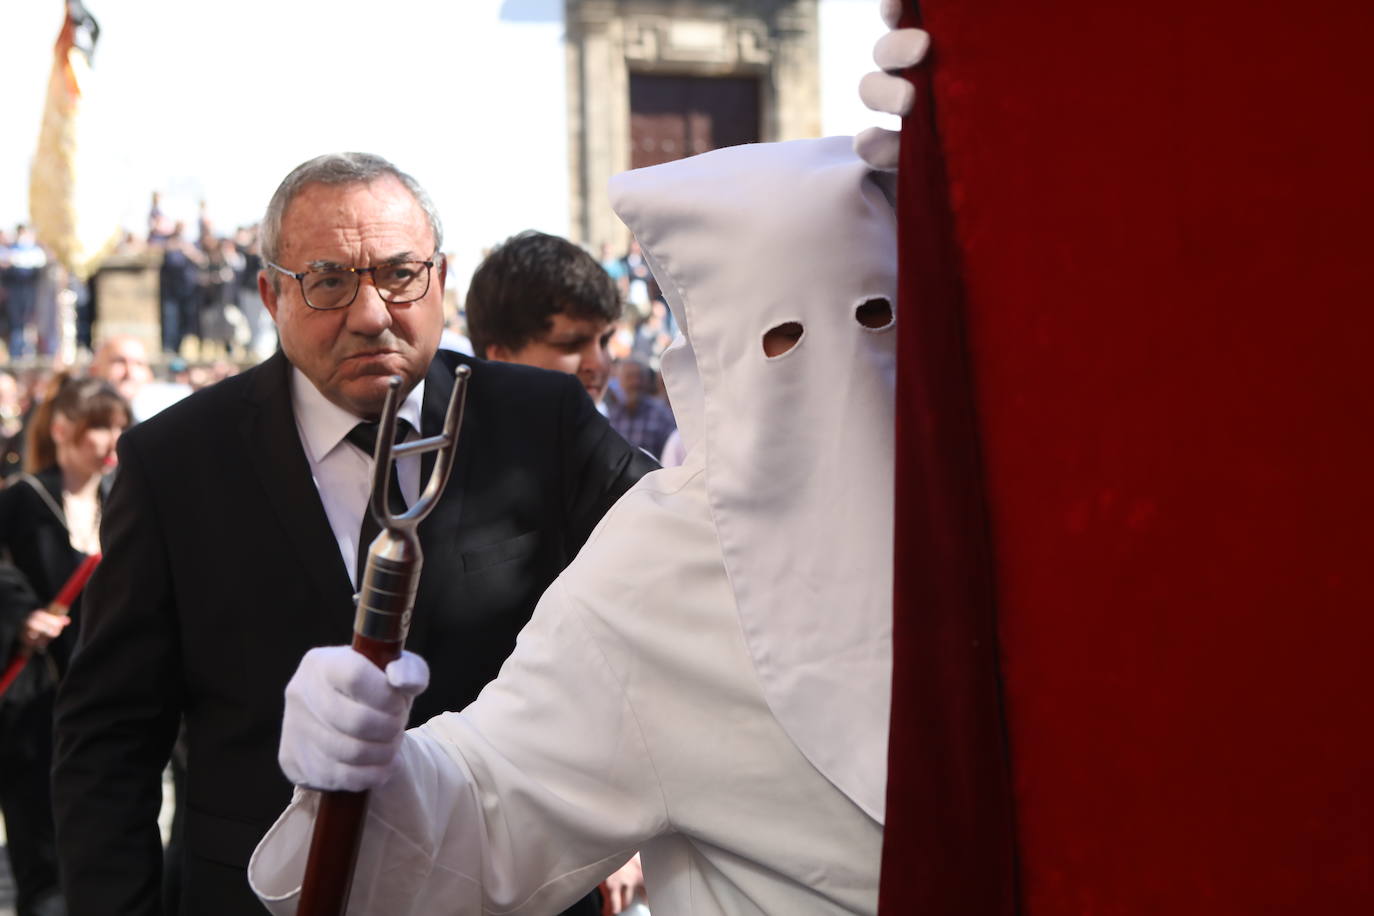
point(345, 718)
point(886, 91)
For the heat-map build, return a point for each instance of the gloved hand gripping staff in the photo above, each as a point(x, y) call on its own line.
point(385, 601)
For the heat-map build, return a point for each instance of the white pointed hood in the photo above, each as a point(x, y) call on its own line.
point(798, 448)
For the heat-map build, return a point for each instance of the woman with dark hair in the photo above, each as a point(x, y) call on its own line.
point(49, 523)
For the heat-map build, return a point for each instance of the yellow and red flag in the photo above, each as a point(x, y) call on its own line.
point(53, 177)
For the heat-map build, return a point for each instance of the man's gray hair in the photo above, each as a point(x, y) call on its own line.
point(336, 168)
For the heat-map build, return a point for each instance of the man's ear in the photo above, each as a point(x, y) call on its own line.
point(267, 293)
point(443, 272)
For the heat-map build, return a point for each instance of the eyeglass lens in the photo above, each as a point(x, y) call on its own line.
point(403, 281)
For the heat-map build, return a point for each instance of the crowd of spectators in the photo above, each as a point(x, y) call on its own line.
point(207, 286)
point(207, 293)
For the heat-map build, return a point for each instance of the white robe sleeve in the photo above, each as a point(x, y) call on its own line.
point(520, 804)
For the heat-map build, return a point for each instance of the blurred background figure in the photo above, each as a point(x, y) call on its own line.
point(21, 272)
point(222, 325)
point(653, 335)
point(11, 423)
point(122, 361)
point(261, 331)
point(6, 242)
point(179, 289)
point(32, 382)
point(160, 226)
point(615, 268)
point(643, 419)
point(640, 284)
point(49, 523)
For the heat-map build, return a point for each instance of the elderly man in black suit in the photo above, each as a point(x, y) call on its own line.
point(233, 531)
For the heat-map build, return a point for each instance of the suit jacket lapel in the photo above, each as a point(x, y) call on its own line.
point(440, 528)
point(438, 390)
point(274, 446)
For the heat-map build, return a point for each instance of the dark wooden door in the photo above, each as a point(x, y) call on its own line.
point(672, 117)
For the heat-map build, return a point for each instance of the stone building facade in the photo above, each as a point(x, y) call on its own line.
point(654, 80)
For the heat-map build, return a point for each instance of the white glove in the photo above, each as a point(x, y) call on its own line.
point(345, 718)
point(886, 91)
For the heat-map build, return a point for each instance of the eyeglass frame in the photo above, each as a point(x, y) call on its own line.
point(300, 280)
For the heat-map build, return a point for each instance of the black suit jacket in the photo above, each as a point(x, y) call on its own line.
point(221, 570)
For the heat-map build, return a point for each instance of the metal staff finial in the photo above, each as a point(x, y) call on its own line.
point(387, 587)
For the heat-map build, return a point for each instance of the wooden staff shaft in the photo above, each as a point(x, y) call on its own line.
point(339, 824)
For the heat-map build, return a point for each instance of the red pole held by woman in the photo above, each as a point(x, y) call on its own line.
point(59, 606)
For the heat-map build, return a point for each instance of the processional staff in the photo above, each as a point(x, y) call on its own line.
point(385, 600)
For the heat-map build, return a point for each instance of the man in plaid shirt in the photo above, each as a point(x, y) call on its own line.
point(642, 419)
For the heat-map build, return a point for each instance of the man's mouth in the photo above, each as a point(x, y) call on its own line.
point(369, 362)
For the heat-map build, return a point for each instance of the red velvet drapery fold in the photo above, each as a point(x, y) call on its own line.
point(1135, 441)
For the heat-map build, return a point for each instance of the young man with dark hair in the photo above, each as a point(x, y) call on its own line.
point(540, 300)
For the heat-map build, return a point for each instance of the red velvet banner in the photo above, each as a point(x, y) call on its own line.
point(1135, 313)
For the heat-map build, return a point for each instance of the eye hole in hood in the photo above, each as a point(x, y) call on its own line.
point(778, 340)
point(874, 313)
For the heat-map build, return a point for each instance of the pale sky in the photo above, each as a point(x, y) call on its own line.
point(220, 100)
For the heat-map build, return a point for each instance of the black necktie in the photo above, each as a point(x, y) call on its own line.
point(364, 436)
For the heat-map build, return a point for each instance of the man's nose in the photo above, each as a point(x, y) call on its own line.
point(369, 313)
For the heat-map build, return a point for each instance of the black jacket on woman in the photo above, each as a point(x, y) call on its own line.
point(34, 535)
point(33, 532)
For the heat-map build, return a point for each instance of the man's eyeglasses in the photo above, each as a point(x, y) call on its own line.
point(326, 288)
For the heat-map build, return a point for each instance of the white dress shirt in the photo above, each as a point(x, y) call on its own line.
point(343, 472)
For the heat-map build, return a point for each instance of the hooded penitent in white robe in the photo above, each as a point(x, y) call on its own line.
point(708, 681)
